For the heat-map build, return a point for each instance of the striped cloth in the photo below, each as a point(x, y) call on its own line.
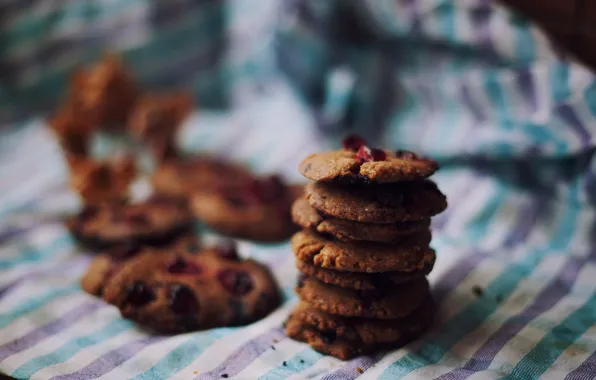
point(511, 120)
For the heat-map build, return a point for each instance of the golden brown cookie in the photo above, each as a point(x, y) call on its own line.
point(181, 292)
point(121, 227)
point(358, 280)
point(256, 210)
point(346, 338)
point(182, 176)
point(391, 302)
point(359, 163)
point(72, 131)
point(156, 119)
point(390, 203)
point(413, 254)
point(304, 215)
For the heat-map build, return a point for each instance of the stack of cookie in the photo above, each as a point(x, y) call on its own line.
point(364, 249)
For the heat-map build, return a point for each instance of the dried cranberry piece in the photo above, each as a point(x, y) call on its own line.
point(353, 143)
point(236, 282)
point(406, 155)
point(366, 154)
point(181, 266)
point(182, 300)
point(228, 251)
point(139, 294)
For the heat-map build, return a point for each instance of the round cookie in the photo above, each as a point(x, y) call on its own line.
point(359, 163)
point(182, 176)
point(346, 338)
point(180, 291)
point(391, 302)
point(367, 281)
point(257, 210)
point(120, 227)
point(304, 215)
point(391, 203)
point(412, 254)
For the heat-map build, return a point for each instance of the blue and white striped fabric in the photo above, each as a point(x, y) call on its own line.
point(511, 121)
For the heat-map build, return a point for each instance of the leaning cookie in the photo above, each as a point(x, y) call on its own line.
point(412, 255)
point(378, 204)
point(180, 292)
point(391, 302)
point(346, 338)
point(359, 163)
point(119, 227)
point(306, 216)
point(257, 210)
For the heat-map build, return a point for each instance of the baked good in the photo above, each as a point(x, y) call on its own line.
point(378, 204)
point(394, 301)
point(413, 254)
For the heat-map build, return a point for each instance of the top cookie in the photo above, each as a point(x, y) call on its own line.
point(358, 163)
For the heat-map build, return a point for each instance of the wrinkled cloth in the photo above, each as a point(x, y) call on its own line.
point(511, 120)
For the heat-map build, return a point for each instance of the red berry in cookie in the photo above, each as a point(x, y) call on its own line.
point(366, 154)
point(181, 266)
point(353, 143)
point(139, 294)
point(182, 300)
point(238, 283)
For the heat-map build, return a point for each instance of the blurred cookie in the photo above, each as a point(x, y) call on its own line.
point(346, 338)
point(391, 302)
point(411, 255)
point(257, 210)
point(304, 215)
point(119, 228)
point(359, 163)
point(182, 176)
point(181, 292)
point(390, 203)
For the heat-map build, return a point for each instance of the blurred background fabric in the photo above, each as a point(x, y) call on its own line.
point(508, 109)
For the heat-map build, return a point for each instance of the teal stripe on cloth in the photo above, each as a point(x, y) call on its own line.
point(525, 45)
point(453, 330)
point(544, 354)
point(179, 357)
point(71, 348)
point(29, 255)
point(35, 303)
point(559, 82)
point(296, 364)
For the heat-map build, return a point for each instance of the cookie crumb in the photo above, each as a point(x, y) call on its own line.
point(477, 290)
point(359, 370)
point(195, 372)
point(275, 340)
point(284, 364)
point(273, 348)
point(301, 361)
point(224, 375)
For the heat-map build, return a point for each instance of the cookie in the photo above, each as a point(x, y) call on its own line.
point(390, 203)
point(180, 292)
point(104, 92)
point(365, 281)
point(156, 119)
point(72, 132)
point(257, 210)
point(346, 338)
point(121, 227)
point(182, 176)
point(358, 163)
point(413, 254)
point(393, 301)
point(304, 215)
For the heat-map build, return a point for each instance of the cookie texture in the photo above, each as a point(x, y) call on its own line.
point(391, 302)
point(306, 216)
point(346, 338)
point(119, 228)
point(355, 280)
point(380, 204)
point(181, 291)
point(183, 176)
point(413, 254)
point(257, 210)
point(346, 166)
